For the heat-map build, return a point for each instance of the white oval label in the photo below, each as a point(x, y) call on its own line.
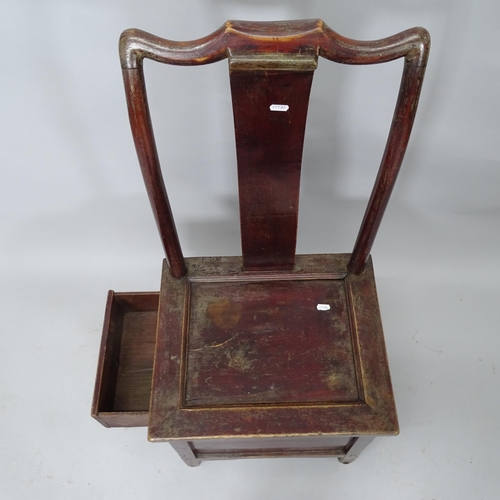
point(323, 307)
point(279, 107)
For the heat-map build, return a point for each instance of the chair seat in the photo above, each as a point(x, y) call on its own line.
point(243, 354)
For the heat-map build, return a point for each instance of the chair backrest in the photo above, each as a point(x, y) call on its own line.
point(271, 68)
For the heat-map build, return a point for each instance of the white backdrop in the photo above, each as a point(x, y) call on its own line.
point(76, 222)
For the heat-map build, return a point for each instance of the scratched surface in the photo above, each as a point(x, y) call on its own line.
point(267, 342)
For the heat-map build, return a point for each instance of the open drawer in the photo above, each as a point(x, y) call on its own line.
point(123, 382)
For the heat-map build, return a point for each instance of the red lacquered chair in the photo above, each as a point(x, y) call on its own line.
point(270, 353)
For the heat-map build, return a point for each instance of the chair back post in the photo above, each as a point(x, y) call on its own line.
point(136, 45)
point(142, 132)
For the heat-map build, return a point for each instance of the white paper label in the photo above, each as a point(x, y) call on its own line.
point(323, 307)
point(279, 107)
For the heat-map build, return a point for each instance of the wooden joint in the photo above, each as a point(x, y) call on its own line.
point(271, 62)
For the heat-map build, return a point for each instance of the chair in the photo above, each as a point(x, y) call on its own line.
point(269, 354)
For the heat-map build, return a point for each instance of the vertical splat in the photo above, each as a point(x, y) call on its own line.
point(270, 101)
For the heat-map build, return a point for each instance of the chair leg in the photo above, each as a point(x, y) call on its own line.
point(357, 446)
point(186, 453)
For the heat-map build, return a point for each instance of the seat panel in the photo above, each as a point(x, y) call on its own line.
point(269, 342)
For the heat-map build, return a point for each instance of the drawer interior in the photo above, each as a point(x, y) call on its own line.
point(123, 382)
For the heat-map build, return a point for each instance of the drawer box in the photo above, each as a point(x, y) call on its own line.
point(123, 382)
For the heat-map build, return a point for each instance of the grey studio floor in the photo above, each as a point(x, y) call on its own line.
point(75, 222)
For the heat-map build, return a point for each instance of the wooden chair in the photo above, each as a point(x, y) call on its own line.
point(269, 354)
